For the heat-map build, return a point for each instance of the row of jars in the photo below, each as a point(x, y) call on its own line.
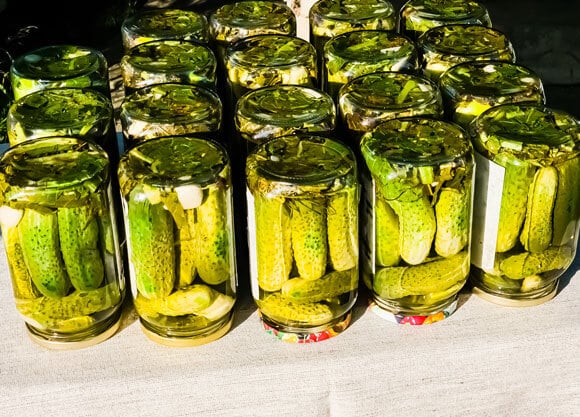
point(305, 291)
point(417, 249)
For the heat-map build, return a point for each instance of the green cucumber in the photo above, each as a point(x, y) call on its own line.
point(330, 285)
point(38, 233)
point(151, 240)
point(78, 231)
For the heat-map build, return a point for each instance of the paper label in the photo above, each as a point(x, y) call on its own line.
point(489, 178)
point(252, 241)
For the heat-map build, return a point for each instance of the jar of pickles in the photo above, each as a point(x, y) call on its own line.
point(177, 205)
point(67, 111)
point(59, 66)
point(329, 18)
point(524, 236)
point(237, 20)
point(60, 235)
point(168, 61)
point(370, 99)
point(265, 60)
point(167, 23)
point(361, 52)
point(302, 202)
point(444, 46)
point(470, 88)
point(418, 16)
point(281, 110)
point(168, 110)
point(418, 183)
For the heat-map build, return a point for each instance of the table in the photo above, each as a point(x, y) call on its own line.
point(484, 360)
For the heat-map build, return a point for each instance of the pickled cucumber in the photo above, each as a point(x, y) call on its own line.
point(437, 275)
point(151, 237)
point(212, 238)
point(536, 233)
point(38, 233)
point(342, 229)
point(22, 284)
point(453, 217)
point(78, 303)
point(198, 299)
point(517, 180)
point(330, 285)
point(387, 282)
point(78, 231)
point(567, 204)
point(526, 264)
point(274, 248)
point(386, 234)
point(278, 308)
point(417, 223)
point(309, 237)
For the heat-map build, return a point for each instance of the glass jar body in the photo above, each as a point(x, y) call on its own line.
point(61, 241)
point(524, 237)
point(303, 236)
point(178, 215)
point(417, 223)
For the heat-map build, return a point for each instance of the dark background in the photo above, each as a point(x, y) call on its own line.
point(545, 35)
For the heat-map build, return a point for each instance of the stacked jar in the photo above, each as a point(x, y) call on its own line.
point(329, 18)
point(175, 180)
point(523, 237)
point(302, 201)
point(84, 110)
point(169, 77)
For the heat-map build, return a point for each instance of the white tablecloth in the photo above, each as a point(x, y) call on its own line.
point(484, 360)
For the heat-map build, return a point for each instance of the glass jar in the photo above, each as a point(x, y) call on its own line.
point(418, 16)
point(241, 19)
point(329, 18)
point(169, 23)
point(60, 235)
point(302, 201)
point(59, 66)
point(177, 205)
point(470, 88)
point(281, 110)
point(265, 60)
point(525, 236)
point(418, 182)
point(168, 61)
point(444, 46)
point(169, 110)
point(68, 111)
point(361, 52)
point(370, 99)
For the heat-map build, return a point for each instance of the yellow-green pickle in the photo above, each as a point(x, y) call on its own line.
point(302, 201)
point(60, 236)
point(524, 237)
point(418, 183)
point(177, 205)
